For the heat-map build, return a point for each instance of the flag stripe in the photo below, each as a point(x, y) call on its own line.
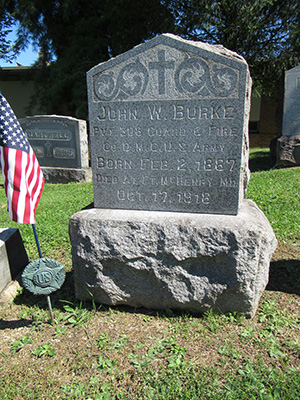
point(16, 182)
point(26, 194)
point(22, 176)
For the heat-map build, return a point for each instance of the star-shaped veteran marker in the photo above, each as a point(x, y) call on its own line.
point(43, 276)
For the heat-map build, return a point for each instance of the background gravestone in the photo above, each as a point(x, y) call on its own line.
point(287, 147)
point(61, 146)
point(169, 149)
point(291, 115)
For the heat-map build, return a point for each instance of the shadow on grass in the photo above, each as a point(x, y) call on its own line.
point(15, 324)
point(66, 295)
point(260, 161)
point(285, 276)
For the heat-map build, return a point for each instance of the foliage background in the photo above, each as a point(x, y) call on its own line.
point(76, 35)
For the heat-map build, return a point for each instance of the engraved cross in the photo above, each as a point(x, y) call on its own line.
point(48, 146)
point(161, 65)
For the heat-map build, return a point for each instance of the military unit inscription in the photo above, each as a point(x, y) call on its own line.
point(166, 129)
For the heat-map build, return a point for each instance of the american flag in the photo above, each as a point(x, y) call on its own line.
point(22, 176)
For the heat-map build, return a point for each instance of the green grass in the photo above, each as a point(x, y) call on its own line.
point(277, 194)
point(97, 352)
point(57, 204)
point(119, 354)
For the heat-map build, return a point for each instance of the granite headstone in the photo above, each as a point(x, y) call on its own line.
point(291, 107)
point(170, 227)
point(168, 128)
point(287, 147)
point(60, 144)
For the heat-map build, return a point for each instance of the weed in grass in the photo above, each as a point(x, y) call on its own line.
point(119, 344)
point(25, 314)
point(94, 381)
point(19, 344)
point(45, 350)
point(106, 365)
point(173, 327)
point(213, 321)
point(139, 345)
point(259, 382)
point(275, 351)
point(275, 319)
point(76, 315)
point(79, 391)
point(248, 333)
point(177, 358)
point(294, 345)
point(139, 361)
point(89, 337)
point(103, 341)
point(181, 383)
point(60, 330)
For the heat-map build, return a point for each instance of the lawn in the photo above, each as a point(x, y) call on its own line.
point(98, 352)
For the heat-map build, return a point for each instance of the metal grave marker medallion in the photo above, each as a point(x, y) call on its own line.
point(43, 276)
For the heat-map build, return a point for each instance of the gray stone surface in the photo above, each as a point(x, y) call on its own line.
point(291, 107)
point(65, 175)
point(287, 151)
point(169, 128)
point(10, 292)
point(58, 141)
point(13, 256)
point(162, 260)
point(169, 152)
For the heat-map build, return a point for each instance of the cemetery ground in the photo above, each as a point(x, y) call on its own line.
point(94, 351)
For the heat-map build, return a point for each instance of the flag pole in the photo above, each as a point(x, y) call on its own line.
point(40, 255)
point(37, 241)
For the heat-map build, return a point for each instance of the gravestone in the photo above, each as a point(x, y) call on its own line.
point(61, 146)
point(167, 129)
point(170, 227)
point(13, 256)
point(288, 145)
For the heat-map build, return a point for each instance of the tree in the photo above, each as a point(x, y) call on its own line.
point(75, 35)
point(265, 32)
point(7, 50)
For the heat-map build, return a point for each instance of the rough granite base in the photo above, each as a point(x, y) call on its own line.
point(166, 260)
point(288, 151)
point(66, 175)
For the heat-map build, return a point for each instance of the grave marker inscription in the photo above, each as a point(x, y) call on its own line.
point(57, 141)
point(167, 128)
